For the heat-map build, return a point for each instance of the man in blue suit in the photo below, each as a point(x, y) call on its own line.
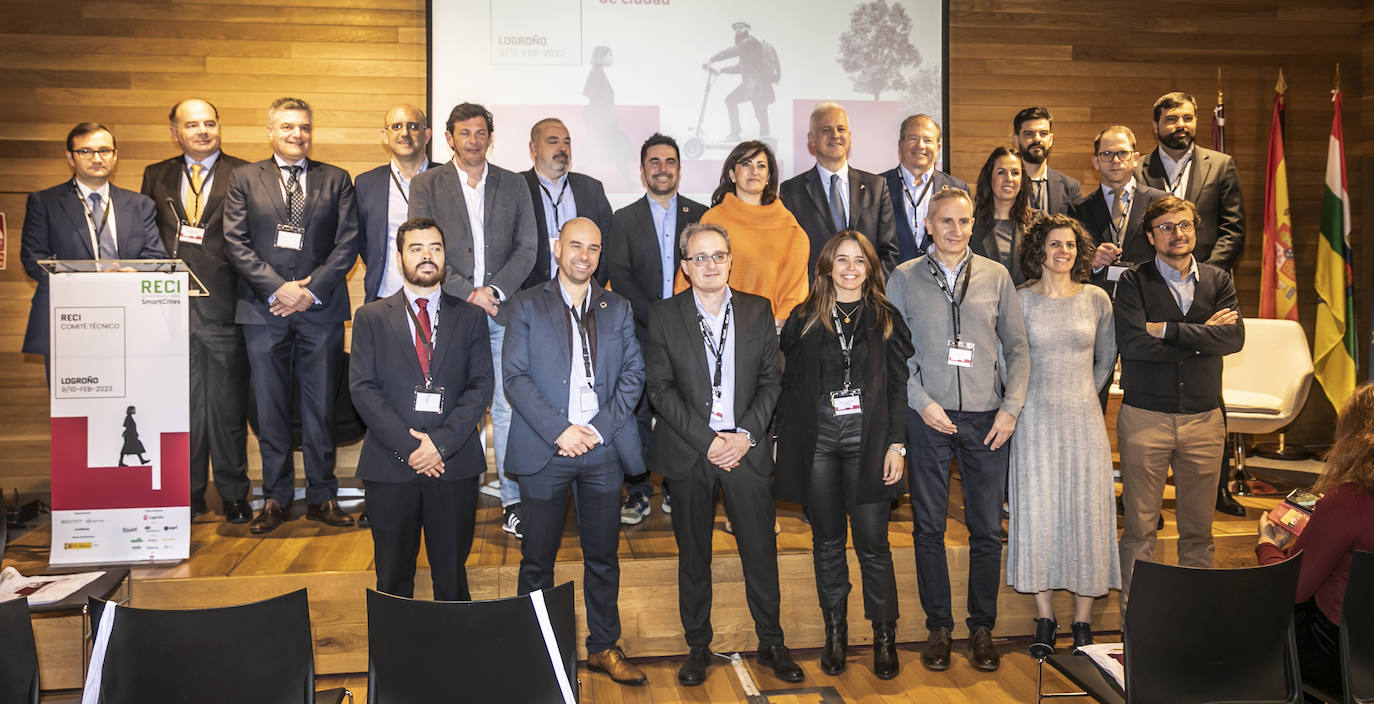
point(384, 197)
point(573, 373)
point(914, 180)
point(86, 217)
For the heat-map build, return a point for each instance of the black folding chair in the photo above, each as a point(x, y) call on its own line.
point(1357, 630)
point(18, 655)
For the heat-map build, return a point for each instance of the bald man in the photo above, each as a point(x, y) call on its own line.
point(384, 197)
point(559, 195)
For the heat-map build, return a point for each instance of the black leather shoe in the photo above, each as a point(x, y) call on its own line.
point(363, 520)
point(268, 518)
point(935, 656)
point(1226, 503)
point(1042, 645)
point(693, 671)
point(1082, 634)
point(885, 662)
point(836, 641)
point(778, 658)
point(238, 511)
point(198, 507)
point(328, 513)
point(982, 653)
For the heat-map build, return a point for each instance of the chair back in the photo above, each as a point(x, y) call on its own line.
point(1272, 371)
point(478, 651)
point(259, 652)
point(18, 655)
point(1357, 630)
point(1212, 635)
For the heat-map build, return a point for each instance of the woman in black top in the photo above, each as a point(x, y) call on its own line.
point(841, 436)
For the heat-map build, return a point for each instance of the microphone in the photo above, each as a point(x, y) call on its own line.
point(176, 239)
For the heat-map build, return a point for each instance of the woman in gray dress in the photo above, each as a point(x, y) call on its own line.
point(1062, 533)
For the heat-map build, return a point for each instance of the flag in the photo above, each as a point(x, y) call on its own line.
point(1334, 343)
point(1278, 275)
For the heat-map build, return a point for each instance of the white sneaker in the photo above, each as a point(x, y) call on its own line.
point(512, 522)
point(635, 509)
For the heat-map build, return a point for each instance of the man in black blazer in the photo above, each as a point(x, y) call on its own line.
point(559, 195)
point(291, 230)
point(834, 196)
point(914, 180)
point(642, 258)
point(1032, 133)
point(86, 217)
point(1201, 176)
point(188, 191)
point(422, 388)
point(384, 197)
point(1118, 231)
point(713, 372)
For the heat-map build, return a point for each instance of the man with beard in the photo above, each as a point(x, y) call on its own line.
point(559, 195)
point(758, 71)
point(423, 403)
point(914, 180)
point(1032, 133)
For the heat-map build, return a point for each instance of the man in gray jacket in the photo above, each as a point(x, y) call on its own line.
point(967, 386)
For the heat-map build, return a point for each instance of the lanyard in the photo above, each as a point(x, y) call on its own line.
point(1173, 186)
point(846, 346)
point(556, 203)
point(915, 204)
point(286, 192)
point(191, 186)
point(425, 340)
point(954, 303)
point(716, 350)
point(1117, 228)
point(581, 321)
point(90, 216)
point(404, 194)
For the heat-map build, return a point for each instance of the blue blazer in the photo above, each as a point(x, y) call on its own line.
point(906, 239)
point(55, 228)
point(374, 195)
point(536, 359)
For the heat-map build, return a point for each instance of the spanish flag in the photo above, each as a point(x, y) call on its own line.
point(1335, 339)
point(1278, 274)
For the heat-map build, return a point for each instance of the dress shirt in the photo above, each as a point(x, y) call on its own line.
point(952, 275)
point(555, 217)
point(843, 183)
point(206, 176)
point(285, 174)
point(1129, 196)
point(397, 207)
point(1177, 173)
point(916, 201)
point(665, 225)
point(1182, 286)
point(578, 381)
point(727, 368)
point(104, 192)
point(432, 308)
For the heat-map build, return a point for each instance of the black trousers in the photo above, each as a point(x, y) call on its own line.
point(446, 510)
point(830, 496)
point(219, 407)
point(749, 504)
point(1319, 647)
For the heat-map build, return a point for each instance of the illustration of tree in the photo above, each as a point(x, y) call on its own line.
point(877, 47)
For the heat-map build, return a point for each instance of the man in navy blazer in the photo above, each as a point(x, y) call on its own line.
point(384, 197)
point(291, 230)
point(1052, 192)
point(559, 195)
point(1121, 240)
point(420, 374)
point(86, 217)
point(573, 373)
point(914, 180)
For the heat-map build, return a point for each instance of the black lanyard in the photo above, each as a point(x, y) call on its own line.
point(556, 203)
point(1183, 171)
point(425, 340)
point(915, 204)
point(954, 303)
point(717, 350)
point(399, 187)
point(1118, 229)
point(90, 216)
point(846, 346)
point(581, 325)
point(191, 186)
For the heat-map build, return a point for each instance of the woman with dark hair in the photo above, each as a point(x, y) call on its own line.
point(1062, 532)
point(1341, 523)
point(769, 250)
point(841, 436)
point(1001, 211)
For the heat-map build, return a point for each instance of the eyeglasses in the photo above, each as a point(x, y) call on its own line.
point(409, 126)
point(717, 257)
point(1168, 228)
point(86, 153)
point(1109, 156)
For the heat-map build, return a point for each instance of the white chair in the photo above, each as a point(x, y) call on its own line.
point(1265, 384)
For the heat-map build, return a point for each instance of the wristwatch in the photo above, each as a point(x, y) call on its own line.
point(748, 435)
point(898, 447)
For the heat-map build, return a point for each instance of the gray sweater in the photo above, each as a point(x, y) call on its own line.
point(990, 318)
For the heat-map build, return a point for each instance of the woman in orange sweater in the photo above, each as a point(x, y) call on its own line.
point(768, 248)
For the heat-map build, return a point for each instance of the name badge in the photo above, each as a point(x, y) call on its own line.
point(717, 407)
point(846, 403)
point(289, 237)
point(588, 401)
point(190, 234)
point(960, 354)
point(429, 399)
point(1114, 271)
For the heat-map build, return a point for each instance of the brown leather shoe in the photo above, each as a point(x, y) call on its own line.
point(328, 513)
point(612, 661)
point(981, 651)
point(935, 656)
point(268, 518)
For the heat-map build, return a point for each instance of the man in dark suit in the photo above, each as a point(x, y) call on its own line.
point(574, 373)
point(384, 197)
point(1176, 317)
point(291, 231)
point(1200, 176)
point(834, 196)
point(1114, 213)
point(422, 395)
point(713, 376)
point(642, 258)
point(914, 180)
point(188, 191)
point(489, 222)
point(86, 217)
point(559, 195)
point(1032, 133)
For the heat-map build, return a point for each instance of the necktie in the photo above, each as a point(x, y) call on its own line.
point(1038, 193)
point(1118, 214)
point(295, 199)
point(421, 349)
point(193, 195)
point(836, 204)
point(108, 249)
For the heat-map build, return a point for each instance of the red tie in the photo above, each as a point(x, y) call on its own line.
point(422, 350)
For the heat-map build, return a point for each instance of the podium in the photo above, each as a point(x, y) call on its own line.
point(120, 410)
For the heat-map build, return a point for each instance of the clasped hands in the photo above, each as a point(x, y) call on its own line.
point(727, 449)
point(425, 459)
point(576, 440)
point(292, 297)
point(1225, 316)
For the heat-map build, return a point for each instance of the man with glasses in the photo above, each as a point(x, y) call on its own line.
point(85, 217)
point(1032, 134)
point(559, 195)
point(713, 375)
point(384, 197)
point(914, 180)
point(1176, 317)
point(1114, 213)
